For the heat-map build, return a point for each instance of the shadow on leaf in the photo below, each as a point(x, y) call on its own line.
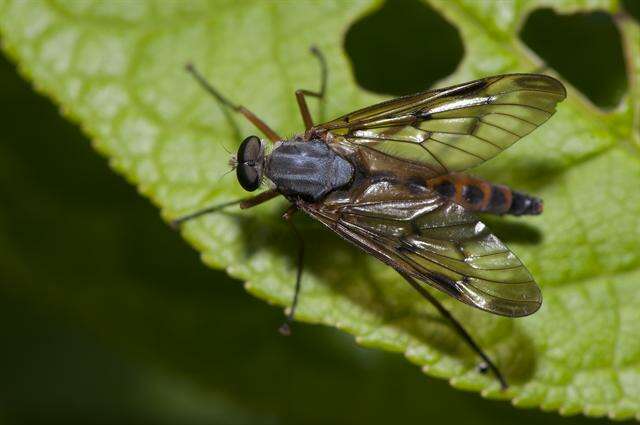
point(513, 231)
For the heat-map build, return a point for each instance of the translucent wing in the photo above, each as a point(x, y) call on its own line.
point(433, 240)
point(454, 128)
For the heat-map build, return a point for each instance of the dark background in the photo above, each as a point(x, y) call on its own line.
point(107, 316)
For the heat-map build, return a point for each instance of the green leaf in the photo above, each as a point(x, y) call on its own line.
point(117, 69)
point(111, 282)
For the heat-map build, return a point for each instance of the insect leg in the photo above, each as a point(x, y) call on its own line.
point(285, 329)
point(300, 94)
point(244, 204)
point(260, 125)
point(458, 327)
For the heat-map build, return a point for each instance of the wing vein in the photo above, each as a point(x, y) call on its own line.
point(524, 105)
point(434, 157)
point(513, 116)
point(482, 139)
point(455, 147)
point(501, 128)
point(487, 294)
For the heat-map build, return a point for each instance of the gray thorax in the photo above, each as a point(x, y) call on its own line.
point(309, 170)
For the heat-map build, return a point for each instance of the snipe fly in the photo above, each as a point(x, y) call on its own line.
point(389, 179)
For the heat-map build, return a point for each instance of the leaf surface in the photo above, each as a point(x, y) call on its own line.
point(117, 69)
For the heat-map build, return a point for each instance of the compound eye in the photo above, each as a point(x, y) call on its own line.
point(249, 150)
point(248, 177)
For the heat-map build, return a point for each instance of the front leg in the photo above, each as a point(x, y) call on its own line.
point(244, 204)
point(300, 94)
point(253, 119)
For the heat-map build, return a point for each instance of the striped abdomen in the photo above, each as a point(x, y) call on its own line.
point(482, 196)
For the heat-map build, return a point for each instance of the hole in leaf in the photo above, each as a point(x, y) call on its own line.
point(585, 48)
point(403, 47)
point(632, 7)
